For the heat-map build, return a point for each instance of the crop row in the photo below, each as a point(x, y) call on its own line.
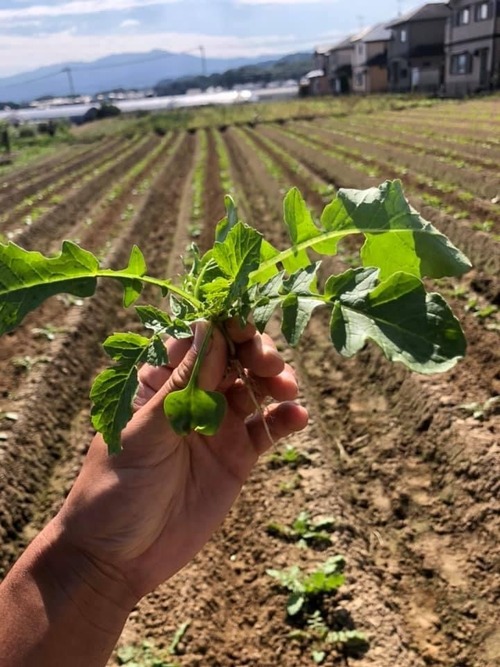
point(335, 167)
point(414, 392)
point(375, 429)
point(20, 186)
point(62, 367)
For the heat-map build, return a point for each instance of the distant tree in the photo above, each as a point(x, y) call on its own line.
point(290, 67)
point(5, 138)
point(107, 111)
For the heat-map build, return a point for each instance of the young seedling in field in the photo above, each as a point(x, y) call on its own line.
point(143, 655)
point(350, 642)
point(48, 332)
point(287, 487)
point(289, 456)
point(243, 276)
point(305, 588)
point(304, 530)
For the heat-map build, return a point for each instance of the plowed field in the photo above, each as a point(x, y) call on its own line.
point(408, 466)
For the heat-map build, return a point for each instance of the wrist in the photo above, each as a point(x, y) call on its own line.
point(59, 607)
point(98, 593)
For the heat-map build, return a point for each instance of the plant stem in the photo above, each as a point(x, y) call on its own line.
point(246, 381)
point(163, 284)
point(201, 355)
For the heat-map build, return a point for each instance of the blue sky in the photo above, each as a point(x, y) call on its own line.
point(36, 33)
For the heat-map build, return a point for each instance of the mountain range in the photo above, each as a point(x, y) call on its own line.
point(125, 70)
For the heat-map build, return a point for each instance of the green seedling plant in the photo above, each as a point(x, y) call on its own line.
point(244, 276)
point(288, 487)
point(347, 641)
point(49, 332)
point(304, 588)
point(289, 456)
point(143, 655)
point(304, 530)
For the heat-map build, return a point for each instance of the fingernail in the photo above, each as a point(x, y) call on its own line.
point(199, 336)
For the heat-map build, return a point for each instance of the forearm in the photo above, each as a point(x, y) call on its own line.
point(59, 608)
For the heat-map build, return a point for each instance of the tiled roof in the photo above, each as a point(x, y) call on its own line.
point(427, 12)
point(376, 33)
point(343, 44)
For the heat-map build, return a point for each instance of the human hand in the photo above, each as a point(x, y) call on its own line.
point(146, 512)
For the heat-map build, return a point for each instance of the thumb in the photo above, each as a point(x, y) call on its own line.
point(209, 341)
point(147, 427)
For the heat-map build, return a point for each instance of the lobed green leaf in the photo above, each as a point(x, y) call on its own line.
point(411, 326)
point(397, 237)
point(114, 389)
point(27, 278)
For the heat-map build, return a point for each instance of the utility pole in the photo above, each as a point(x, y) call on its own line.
point(400, 7)
point(203, 61)
point(67, 70)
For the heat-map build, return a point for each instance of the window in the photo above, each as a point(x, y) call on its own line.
point(462, 17)
point(482, 11)
point(403, 35)
point(359, 79)
point(461, 63)
point(360, 49)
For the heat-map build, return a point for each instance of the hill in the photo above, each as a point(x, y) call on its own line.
point(125, 70)
point(293, 66)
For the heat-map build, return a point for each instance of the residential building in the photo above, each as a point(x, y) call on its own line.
point(369, 60)
point(472, 46)
point(316, 81)
point(415, 57)
point(340, 66)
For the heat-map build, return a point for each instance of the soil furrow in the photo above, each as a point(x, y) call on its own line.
point(268, 213)
point(366, 412)
point(13, 194)
point(26, 346)
point(479, 246)
point(378, 133)
point(21, 175)
point(54, 224)
point(42, 432)
point(418, 169)
point(41, 202)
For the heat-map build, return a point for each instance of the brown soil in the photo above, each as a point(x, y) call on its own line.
point(18, 187)
point(407, 469)
point(420, 172)
point(480, 158)
point(480, 246)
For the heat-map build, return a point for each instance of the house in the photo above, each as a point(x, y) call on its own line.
point(369, 60)
point(340, 66)
point(472, 47)
point(415, 56)
point(319, 83)
point(315, 83)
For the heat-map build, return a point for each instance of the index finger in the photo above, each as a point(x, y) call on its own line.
point(237, 333)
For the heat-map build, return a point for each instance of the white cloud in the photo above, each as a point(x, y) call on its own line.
point(76, 7)
point(53, 48)
point(283, 2)
point(129, 23)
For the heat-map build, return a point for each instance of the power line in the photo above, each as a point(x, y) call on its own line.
point(85, 68)
point(70, 80)
point(34, 80)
